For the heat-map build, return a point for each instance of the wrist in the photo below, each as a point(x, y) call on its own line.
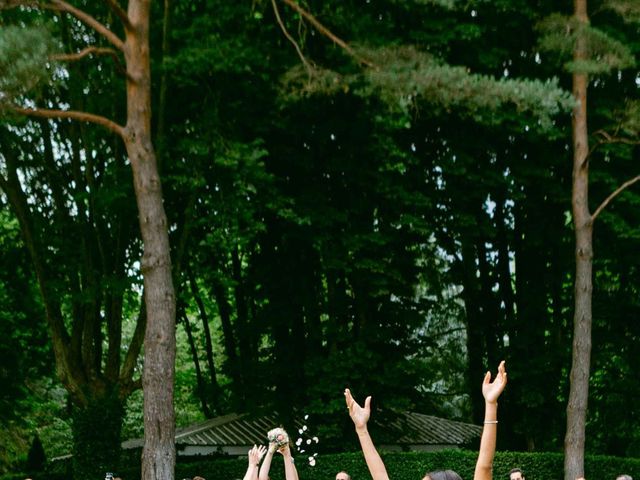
point(362, 430)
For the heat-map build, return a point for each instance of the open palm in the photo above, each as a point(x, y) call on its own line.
point(492, 390)
point(359, 415)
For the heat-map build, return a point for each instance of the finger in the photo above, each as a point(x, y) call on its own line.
point(501, 368)
point(367, 403)
point(347, 396)
point(349, 399)
point(487, 378)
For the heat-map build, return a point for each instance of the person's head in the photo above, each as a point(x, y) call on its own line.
point(442, 475)
point(342, 475)
point(516, 474)
point(623, 477)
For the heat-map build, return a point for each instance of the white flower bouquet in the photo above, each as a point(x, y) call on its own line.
point(278, 437)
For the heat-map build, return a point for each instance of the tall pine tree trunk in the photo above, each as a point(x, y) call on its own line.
point(574, 441)
point(158, 458)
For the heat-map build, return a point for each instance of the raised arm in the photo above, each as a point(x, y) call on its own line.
point(290, 472)
point(255, 454)
point(360, 417)
point(490, 391)
point(266, 463)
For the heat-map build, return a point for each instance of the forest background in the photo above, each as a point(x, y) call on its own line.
point(392, 214)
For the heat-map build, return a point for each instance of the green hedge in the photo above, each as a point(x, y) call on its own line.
point(401, 466)
point(413, 466)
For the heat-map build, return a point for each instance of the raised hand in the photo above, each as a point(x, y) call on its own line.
point(261, 452)
point(256, 454)
point(284, 450)
point(359, 415)
point(492, 390)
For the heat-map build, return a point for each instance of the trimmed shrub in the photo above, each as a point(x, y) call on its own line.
point(400, 465)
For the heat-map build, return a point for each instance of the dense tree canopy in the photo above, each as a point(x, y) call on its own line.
point(373, 194)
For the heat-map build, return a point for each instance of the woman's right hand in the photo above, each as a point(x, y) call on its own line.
point(359, 415)
point(492, 390)
point(256, 454)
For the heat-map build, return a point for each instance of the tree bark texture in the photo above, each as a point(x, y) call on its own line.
point(574, 441)
point(158, 456)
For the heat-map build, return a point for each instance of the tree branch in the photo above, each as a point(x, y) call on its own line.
point(71, 114)
point(613, 195)
point(135, 346)
point(327, 33)
point(88, 20)
point(291, 39)
point(607, 138)
point(62, 6)
point(73, 57)
point(120, 13)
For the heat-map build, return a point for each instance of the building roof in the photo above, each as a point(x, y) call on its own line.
point(405, 429)
point(413, 428)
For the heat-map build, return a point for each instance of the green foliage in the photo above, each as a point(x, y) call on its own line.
point(405, 78)
point(397, 229)
point(629, 10)
point(96, 437)
point(414, 465)
point(629, 119)
point(605, 53)
point(24, 57)
point(440, 3)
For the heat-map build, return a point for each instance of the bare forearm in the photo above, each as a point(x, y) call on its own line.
point(371, 455)
point(252, 472)
point(487, 443)
point(266, 466)
point(290, 472)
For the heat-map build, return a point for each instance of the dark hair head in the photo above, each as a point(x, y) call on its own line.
point(515, 470)
point(443, 475)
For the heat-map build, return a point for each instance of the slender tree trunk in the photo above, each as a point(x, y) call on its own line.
point(207, 335)
point(224, 310)
point(158, 457)
point(504, 270)
point(489, 308)
point(196, 363)
point(474, 326)
point(243, 331)
point(574, 441)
